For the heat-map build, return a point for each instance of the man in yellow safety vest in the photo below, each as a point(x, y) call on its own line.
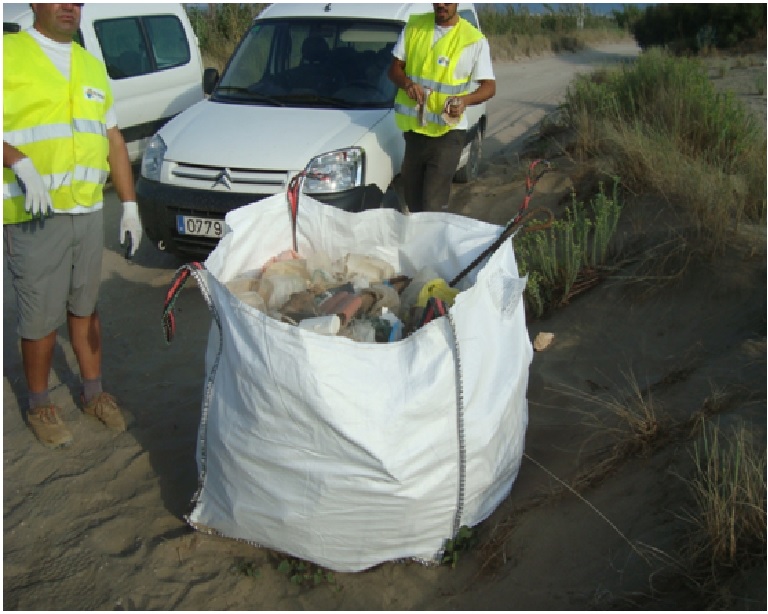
point(436, 60)
point(60, 143)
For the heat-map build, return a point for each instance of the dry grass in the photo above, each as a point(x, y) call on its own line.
point(629, 419)
point(727, 515)
point(508, 47)
point(729, 491)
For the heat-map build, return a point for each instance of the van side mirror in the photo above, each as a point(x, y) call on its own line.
point(210, 79)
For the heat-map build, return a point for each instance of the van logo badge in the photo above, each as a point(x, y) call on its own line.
point(224, 179)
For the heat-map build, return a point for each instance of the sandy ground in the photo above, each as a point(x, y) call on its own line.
point(99, 526)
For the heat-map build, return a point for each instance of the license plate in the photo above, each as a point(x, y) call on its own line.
point(199, 226)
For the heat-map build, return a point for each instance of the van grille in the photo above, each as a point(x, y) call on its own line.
point(245, 180)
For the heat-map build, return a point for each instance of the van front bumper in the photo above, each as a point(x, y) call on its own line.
point(161, 204)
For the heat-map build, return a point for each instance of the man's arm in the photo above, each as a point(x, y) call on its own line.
point(120, 166)
point(11, 155)
point(122, 180)
point(396, 74)
point(486, 91)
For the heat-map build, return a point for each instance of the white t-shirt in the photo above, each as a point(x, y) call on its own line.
point(474, 62)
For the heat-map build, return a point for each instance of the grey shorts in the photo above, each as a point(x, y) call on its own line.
point(55, 265)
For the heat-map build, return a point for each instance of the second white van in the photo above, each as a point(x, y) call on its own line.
point(152, 58)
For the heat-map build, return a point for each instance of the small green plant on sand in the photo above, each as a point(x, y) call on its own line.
point(245, 568)
point(464, 540)
point(305, 574)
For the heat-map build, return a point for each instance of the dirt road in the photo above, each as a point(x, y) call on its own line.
point(528, 90)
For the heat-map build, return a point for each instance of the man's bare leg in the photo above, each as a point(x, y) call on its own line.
point(85, 336)
point(37, 358)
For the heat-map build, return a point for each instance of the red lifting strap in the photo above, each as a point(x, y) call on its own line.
point(177, 283)
point(530, 183)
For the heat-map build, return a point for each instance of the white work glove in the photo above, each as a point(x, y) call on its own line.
point(38, 200)
point(131, 225)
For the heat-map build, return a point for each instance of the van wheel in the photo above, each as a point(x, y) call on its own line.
point(470, 171)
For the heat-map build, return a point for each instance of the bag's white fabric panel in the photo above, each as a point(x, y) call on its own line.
point(350, 454)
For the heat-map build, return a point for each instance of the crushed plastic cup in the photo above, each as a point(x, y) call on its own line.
point(323, 325)
point(371, 268)
point(252, 299)
point(360, 330)
point(277, 289)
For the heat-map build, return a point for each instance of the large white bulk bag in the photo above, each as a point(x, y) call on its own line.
point(350, 454)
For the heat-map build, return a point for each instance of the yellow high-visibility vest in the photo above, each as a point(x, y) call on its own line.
point(433, 67)
point(60, 125)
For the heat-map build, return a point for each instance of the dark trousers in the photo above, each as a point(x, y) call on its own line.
point(428, 168)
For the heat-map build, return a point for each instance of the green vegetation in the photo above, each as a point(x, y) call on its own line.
point(698, 27)
point(662, 127)
point(512, 32)
point(305, 574)
point(245, 568)
point(463, 541)
point(219, 28)
point(726, 481)
point(729, 490)
point(567, 257)
point(666, 130)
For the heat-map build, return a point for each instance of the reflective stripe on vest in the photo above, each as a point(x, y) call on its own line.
point(433, 67)
point(60, 125)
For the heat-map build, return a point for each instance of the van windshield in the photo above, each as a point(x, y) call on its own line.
point(312, 63)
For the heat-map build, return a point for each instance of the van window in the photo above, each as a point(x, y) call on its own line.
point(134, 46)
point(311, 62)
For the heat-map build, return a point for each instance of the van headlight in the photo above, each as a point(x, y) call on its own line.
point(152, 160)
point(335, 171)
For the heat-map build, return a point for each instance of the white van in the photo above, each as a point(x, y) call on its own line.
point(152, 58)
point(306, 87)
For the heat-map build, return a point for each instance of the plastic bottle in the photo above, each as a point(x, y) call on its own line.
point(396, 326)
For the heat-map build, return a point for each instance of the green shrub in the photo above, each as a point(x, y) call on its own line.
point(667, 130)
point(695, 27)
point(575, 246)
